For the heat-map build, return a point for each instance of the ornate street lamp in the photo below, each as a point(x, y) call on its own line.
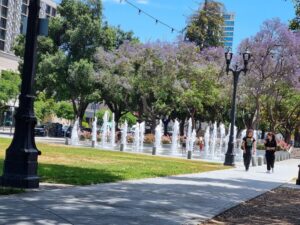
point(229, 156)
point(20, 165)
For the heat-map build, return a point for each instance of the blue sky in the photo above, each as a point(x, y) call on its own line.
point(250, 14)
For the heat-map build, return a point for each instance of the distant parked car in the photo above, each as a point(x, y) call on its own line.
point(69, 132)
point(8, 123)
point(40, 130)
point(55, 130)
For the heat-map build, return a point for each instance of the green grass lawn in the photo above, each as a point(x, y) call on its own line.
point(84, 166)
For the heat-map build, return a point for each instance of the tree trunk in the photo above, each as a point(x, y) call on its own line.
point(297, 138)
point(256, 117)
point(288, 136)
point(192, 114)
point(118, 116)
point(181, 127)
point(199, 128)
point(81, 111)
point(74, 109)
point(166, 123)
point(153, 124)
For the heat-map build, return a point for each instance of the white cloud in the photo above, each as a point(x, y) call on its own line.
point(133, 1)
point(143, 1)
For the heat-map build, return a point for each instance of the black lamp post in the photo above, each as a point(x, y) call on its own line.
point(20, 165)
point(229, 156)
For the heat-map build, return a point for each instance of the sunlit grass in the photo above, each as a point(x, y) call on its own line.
point(83, 166)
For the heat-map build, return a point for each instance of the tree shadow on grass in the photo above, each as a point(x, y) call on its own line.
point(63, 174)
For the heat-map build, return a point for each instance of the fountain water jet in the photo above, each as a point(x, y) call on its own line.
point(189, 135)
point(193, 139)
point(175, 136)
point(124, 134)
point(94, 133)
point(104, 129)
point(136, 143)
point(142, 135)
point(206, 142)
point(214, 140)
point(113, 131)
point(158, 135)
point(222, 137)
point(74, 134)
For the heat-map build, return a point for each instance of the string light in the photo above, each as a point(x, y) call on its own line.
point(140, 11)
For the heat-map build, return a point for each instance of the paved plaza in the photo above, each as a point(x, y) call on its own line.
point(184, 199)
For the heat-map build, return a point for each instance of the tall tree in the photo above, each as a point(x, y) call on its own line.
point(9, 86)
point(295, 23)
point(65, 70)
point(275, 51)
point(115, 70)
point(282, 109)
point(205, 26)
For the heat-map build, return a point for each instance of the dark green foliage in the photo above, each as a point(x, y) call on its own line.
point(205, 26)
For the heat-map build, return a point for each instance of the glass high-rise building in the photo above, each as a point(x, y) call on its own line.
point(228, 29)
point(11, 14)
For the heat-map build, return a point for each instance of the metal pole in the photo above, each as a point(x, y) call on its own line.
point(20, 165)
point(229, 157)
point(298, 180)
point(12, 120)
point(4, 120)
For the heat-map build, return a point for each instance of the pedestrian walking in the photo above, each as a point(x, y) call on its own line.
point(249, 148)
point(270, 146)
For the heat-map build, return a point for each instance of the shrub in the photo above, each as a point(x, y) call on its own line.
point(149, 139)
point(282, 146)
point(130, 139)
point(182, 139)
point(166, 140)
point(130, 118)
point(85, 124)
point(260, 146)
point(84, 135)
point(81, 137)
point(98, 138)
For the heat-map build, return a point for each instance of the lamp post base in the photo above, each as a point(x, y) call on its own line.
point(229, 160)
point(20, 182)
point(20, 170)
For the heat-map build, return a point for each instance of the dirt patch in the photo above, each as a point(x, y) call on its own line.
point(280, 206)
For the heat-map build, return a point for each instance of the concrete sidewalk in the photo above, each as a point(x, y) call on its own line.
point(185, 199)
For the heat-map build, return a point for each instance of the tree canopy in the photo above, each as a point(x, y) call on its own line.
point(9, 86)
point(205, 26)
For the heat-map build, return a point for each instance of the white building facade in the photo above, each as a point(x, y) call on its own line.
point(11, 14)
